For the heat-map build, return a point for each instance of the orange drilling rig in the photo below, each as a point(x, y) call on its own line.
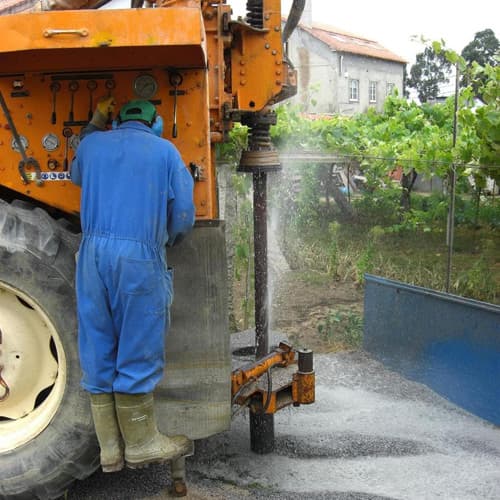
point(204, 71)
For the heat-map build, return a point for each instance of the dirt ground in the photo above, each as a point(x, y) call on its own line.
point(302, 301)
point(299, 302)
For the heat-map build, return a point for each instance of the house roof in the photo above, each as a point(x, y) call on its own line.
point(343, 41)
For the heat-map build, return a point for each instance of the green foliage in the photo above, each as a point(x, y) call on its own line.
point(430, 70)
point(378, 207)
point(480, 51)
point(477, 281)
point(488, 123)
point(342, 328)
point(406, 245)
point(484, 212)
point(231, 149)
point(365, 263)
point(242, 231)
point(416, 138)
point(307, 212)
point(333, 251)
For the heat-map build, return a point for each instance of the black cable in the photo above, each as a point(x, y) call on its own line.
point(99, 4)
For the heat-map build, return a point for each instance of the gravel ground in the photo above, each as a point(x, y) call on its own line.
point(370, 435)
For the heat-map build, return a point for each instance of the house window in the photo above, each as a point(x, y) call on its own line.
point(390, 88)
point(354, 90)
point(372, 92)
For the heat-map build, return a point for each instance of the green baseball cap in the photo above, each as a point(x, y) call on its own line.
point(138, 109)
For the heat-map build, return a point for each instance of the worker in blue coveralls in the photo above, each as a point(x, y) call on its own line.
point(136, 200)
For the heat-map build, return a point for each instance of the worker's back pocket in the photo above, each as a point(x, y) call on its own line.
point(138, 276)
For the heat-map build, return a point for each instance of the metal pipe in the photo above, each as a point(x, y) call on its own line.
point(450, 233)
point(261, 432)
point(260, 263)
point(261, 423)
point(260, 158)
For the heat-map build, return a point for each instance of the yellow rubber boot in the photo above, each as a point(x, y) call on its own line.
point(108, 432)
point(144, 444)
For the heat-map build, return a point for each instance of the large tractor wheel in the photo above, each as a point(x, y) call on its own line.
point(46, 433)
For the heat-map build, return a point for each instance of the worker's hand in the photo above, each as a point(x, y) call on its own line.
point(105, 106)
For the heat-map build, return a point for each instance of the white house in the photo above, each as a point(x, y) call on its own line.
point(340, 72)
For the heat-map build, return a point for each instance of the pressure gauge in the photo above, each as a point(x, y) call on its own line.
point(50, 142)
point(145, 86)
point(74, 142)
point(15, 146)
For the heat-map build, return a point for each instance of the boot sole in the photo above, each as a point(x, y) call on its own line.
point(185, 451)
point(113, 467)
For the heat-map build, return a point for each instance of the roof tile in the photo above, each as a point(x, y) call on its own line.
point(343, 41)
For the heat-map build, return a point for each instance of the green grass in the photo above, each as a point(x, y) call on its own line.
point(419, 258)
point(342, 328)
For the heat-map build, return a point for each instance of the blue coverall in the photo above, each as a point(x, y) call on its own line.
point(137, 198)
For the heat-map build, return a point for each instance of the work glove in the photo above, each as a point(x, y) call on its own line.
point(105, 106)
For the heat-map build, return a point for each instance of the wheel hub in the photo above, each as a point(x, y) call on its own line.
point(33, 376)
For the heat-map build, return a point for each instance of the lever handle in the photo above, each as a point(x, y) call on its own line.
point(48, 33)
point(174, 126)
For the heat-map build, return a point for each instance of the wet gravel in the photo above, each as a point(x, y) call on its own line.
point(371, 435)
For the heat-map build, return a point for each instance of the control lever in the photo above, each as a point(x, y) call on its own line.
point(175, 81)
point(55, 87)
point(91, 86)
point(110, 86)
point(26, 161)
point(67, 133)
point(73, 87)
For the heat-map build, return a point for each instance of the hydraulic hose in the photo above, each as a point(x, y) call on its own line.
point(99, 4)
point(293, 19)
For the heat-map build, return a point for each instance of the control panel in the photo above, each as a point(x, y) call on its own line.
point(42, 116)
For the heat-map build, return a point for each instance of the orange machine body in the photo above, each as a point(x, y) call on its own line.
point(198, 66)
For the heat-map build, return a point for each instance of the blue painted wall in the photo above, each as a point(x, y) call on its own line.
point(447, 342)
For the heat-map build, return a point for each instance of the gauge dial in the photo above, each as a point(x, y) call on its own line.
point(145, 86)
point(15, 146)
point(74, 142)
point(50, 142)
point(110, 84)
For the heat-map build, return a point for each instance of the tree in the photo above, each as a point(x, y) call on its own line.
point(482, 51)
point(406, 94)
point(430, 70)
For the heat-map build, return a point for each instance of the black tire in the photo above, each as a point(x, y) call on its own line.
point(37, 258)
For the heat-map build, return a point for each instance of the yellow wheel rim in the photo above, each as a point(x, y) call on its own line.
point(33, 375)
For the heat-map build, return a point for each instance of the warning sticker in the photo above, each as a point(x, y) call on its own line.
point(50, 176)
